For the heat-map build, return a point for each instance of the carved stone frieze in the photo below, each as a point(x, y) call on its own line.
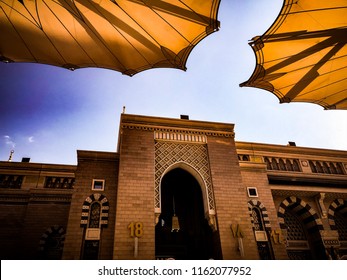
point(169, 130)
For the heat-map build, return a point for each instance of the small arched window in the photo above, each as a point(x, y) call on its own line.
point(319, 167)
point(313, 167)
point(258, 223)
point(333, 168)
point(341, 224)
point(296, 165)
point(94, 215)
point(264, 247)
point(274, 164)
point(289, 165)
point(268, 163)
point(52, 243)
point(339, 168)
point(326, 168)
point(282, 165)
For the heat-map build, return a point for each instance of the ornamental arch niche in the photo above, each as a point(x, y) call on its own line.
point(198, 177)
point(337, 215)
point(183, 230)
point(192, 157)
point(181, 159)
point(302, 225)
point(52, 243)
point(94, 217)
point(261, 228)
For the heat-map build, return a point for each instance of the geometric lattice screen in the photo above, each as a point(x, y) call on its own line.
point(295, 227)
point(168, 153)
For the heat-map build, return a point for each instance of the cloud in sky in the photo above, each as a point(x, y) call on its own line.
point(9, 141)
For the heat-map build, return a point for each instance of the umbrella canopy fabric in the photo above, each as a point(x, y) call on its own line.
point(302, 57)
point(128, 36)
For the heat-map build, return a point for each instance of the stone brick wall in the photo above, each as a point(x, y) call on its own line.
point(25, 217)
point(40, 217)
point(231, 198)
point(135, 198)
point(92, 165)
point(11, 217)
point(254, 175)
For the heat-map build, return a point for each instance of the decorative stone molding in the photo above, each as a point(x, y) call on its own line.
point(47, 197)
point(180, 137)
point(320, 200)
point(297, 244)
point(158, 129)
point(17, 197)
point(36, 195)
point(50, 195)
point(329, 242)
point(212, 222)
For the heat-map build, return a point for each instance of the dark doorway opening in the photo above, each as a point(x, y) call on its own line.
point(194, 240)
point(91, 250)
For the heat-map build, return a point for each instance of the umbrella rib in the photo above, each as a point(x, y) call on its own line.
point(27, 47)
point(97, 34)
point(312, 74)
point(304, 35)
point(334, 105)
point(33, 21)
point(138, 26)
point(176, 11)
point(207, 21)
point(169, 24)
point(317, 10)
point(74, 10)
point(141, 38)
point(68, 32)
point(321, 45)
point(102, 41)
point(335, 93)
point(214, 24)
point(323, 102)
point(325, 85)
point(279, 20)
point(318, 88)
point(307, 66)
point(314, 48)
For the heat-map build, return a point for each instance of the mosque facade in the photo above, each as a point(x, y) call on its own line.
point(178, 189)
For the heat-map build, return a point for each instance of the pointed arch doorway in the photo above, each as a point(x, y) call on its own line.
point(181, 195)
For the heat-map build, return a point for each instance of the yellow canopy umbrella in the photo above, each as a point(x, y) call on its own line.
point(124, 35)
point(302, 57)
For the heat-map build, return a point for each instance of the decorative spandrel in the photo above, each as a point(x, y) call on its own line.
point(195, 155)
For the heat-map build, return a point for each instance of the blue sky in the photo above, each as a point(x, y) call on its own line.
point(48, 113)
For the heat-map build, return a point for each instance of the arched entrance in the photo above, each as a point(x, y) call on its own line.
point(303, 230)
point(181, 196)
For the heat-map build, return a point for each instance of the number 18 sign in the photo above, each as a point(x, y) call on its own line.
point(136, 229)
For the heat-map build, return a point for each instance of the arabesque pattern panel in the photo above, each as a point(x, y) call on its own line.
point(196, 155)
